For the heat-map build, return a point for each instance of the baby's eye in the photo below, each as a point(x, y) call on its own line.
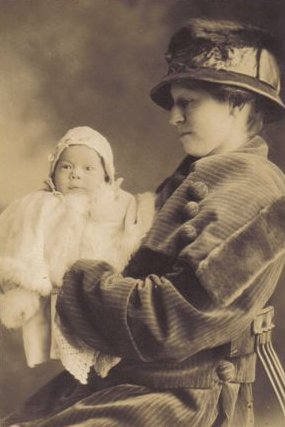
point(90, 168)
point(65, 166)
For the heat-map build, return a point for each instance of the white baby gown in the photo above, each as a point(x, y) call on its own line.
point(41, 236)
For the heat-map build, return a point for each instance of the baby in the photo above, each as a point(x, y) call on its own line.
point(83, 213)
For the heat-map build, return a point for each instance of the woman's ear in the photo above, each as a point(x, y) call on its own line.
point(235, 109)
point(241, 113)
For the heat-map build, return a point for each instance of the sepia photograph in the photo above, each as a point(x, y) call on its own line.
point(142, 213)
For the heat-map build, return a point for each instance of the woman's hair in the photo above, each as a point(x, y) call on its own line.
point(236, 97)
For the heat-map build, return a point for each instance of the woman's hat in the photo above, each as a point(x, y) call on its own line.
point(227, 53)
point(84, 135)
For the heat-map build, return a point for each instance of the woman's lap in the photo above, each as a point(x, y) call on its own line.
point(132, 405)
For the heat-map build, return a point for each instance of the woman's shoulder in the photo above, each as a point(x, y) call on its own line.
point(244, 168)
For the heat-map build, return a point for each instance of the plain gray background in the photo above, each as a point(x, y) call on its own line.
point(67, 63)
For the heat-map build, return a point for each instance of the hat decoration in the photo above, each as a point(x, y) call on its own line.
point(223, 52)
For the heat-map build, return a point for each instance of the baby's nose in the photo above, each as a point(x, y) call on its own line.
point(75, 173)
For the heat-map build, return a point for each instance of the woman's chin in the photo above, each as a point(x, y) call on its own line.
point(195, 148)
point(191, 148)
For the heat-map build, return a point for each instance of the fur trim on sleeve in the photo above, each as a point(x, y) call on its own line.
point(145, 210)
point(138, 220)
point(31, 276)
point(247, 253)
point(17, 306)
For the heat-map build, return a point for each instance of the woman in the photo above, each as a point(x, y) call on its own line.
point(180, 316)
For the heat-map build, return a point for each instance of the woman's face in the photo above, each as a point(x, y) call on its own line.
point(204, 124)
point(79, 170)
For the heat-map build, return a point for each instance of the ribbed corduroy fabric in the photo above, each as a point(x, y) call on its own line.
point(194, 286)
point(127, 405)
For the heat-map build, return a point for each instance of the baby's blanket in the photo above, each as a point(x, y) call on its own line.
point(41, 236)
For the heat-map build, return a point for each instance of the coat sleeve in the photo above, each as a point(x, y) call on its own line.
point(22, 235)
point(24, 273)
point(211, 293)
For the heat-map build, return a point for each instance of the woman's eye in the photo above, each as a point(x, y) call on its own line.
point(185, 102)
point(65, 166)
point(90, 168)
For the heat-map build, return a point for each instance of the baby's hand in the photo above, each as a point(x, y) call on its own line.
point(17, 306)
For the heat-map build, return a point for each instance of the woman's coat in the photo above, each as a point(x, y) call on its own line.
point(195, 284)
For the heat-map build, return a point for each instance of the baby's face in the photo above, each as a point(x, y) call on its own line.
point(78, 170)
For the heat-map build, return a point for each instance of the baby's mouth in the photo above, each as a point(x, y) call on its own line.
point(75, 188)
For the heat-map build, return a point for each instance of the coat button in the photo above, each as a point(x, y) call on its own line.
point(188, 232)
point(226, 371)
point(191, 209)
point(198, 190)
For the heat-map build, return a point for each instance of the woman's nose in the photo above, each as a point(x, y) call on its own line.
point(176, 116)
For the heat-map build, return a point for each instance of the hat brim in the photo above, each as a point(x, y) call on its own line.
point(275, 110)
